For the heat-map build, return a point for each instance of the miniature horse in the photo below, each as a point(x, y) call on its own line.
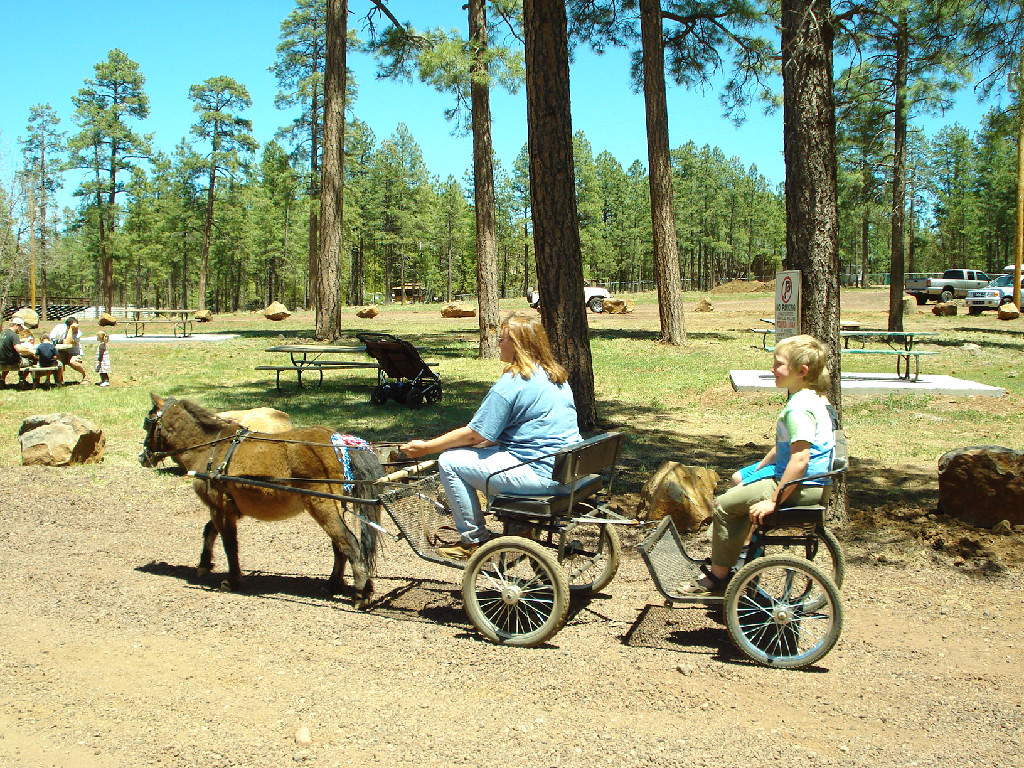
point(200, 441)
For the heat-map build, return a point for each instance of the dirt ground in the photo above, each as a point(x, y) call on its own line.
point(113, 654)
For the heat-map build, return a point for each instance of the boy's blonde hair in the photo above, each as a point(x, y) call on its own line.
point(806, 350)
point(102, 336)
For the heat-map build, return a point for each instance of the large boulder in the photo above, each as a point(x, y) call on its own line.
point(60, 439)
point(685, 493)
point(367, 312)
point(458, 310)
point(29, 316)
point(1008, 311)
point(703, 306)
point(276, 311)
point(909, 305)
point(615, 306)
point(205, 315)
point(982, 484)
point(107, 320)
point(944, 310)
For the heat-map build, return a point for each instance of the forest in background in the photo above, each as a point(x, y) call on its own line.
point(221, 218)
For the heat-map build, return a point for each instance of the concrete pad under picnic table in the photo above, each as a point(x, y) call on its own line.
point(120, 338)
point(877, 383)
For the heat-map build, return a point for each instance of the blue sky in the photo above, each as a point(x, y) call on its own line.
point(52, 46)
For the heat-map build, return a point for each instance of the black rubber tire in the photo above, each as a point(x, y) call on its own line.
point(379, 395)
point(434, 394)
point(921, 299)
point(770, 619)
point(591, 558)
point(974, 311)
point(515, 592)
point(414, 399)
point(947, 295)
point(596, 304)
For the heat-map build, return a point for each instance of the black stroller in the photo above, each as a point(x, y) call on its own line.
point(402, 376)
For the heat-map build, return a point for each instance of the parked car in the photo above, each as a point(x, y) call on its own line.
point(954, 284)
point(592, 297)
point(992, 296)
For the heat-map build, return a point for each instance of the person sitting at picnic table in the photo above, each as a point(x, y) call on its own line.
point(26, 345)
point(529, 413)
point(68, 333)
point(46, 357)
point(10, 357)
point(804, 444)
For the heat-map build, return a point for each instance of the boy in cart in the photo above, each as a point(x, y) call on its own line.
point(804, 443)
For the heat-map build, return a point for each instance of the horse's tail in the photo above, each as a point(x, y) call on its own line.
point(366, 468)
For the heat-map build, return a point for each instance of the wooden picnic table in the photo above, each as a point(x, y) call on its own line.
point(176, 318)
point(316, 357)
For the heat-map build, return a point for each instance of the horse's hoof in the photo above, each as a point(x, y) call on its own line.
point(202, 572)
point(336, 587)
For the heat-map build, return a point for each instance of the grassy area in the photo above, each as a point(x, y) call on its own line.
point(675, 402)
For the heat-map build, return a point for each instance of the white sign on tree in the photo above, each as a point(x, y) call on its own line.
point(787, 304)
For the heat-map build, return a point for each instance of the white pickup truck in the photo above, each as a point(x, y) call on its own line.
point(593, 297)
point(954, 284)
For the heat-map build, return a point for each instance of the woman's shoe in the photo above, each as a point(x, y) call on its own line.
point(458, 551)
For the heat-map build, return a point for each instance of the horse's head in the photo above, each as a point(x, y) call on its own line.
point(154, 446)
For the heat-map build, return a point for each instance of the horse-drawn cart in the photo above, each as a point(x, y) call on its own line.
point(781, 609)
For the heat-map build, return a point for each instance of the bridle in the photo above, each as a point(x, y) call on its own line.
point(151, 424)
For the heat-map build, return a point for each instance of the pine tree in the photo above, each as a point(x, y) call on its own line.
point(219, 102)
point(107, 146)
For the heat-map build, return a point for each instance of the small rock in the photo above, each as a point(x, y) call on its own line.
point(971, 348)
point(1003, 528)
point(302, 736)
point(685, 669)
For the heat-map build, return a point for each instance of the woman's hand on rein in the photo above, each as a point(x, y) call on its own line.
point(414, 448)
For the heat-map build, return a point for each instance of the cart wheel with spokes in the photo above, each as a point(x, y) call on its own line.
point(783, 611)
point(515, 592)
point(824, 551)
point(591, 556)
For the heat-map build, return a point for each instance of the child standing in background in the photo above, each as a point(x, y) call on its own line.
point(103, 359)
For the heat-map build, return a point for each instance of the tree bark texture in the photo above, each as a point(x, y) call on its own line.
point(663, 223)
point(483, 184)
point(204, 255)
point(556, 232)
point(327, 285)
point(897, 252)
point(812, 229)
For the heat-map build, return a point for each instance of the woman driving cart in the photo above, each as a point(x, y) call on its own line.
point(527, 415)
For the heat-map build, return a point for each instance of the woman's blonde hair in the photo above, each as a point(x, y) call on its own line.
point(532, 348)
point(102, 336)
point(806, 350)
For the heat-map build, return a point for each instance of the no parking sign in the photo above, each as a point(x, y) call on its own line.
point(787, 304)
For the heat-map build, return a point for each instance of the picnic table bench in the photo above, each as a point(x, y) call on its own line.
point(306, 358)
point(903, 356)
point(178, 319)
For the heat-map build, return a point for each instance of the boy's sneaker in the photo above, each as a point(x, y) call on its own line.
point(103, 384)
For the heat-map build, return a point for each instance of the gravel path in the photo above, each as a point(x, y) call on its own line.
point(112, 654)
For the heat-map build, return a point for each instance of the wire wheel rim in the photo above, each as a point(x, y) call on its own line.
point(783, 611)
point(515, 593)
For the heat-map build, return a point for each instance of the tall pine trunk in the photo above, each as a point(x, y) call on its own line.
point(204, 256)
point(663, 223)
point(812, 223)
point(899, 180)
point(327, 282)
point(483, 183)
point(556, 231)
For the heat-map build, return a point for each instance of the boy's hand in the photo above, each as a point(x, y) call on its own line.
point(761, 510)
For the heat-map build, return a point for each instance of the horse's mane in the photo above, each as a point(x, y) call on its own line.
point(204, 416)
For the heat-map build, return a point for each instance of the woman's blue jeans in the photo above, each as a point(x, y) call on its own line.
point(464, 471)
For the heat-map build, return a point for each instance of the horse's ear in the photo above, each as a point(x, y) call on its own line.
point(157, 400)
